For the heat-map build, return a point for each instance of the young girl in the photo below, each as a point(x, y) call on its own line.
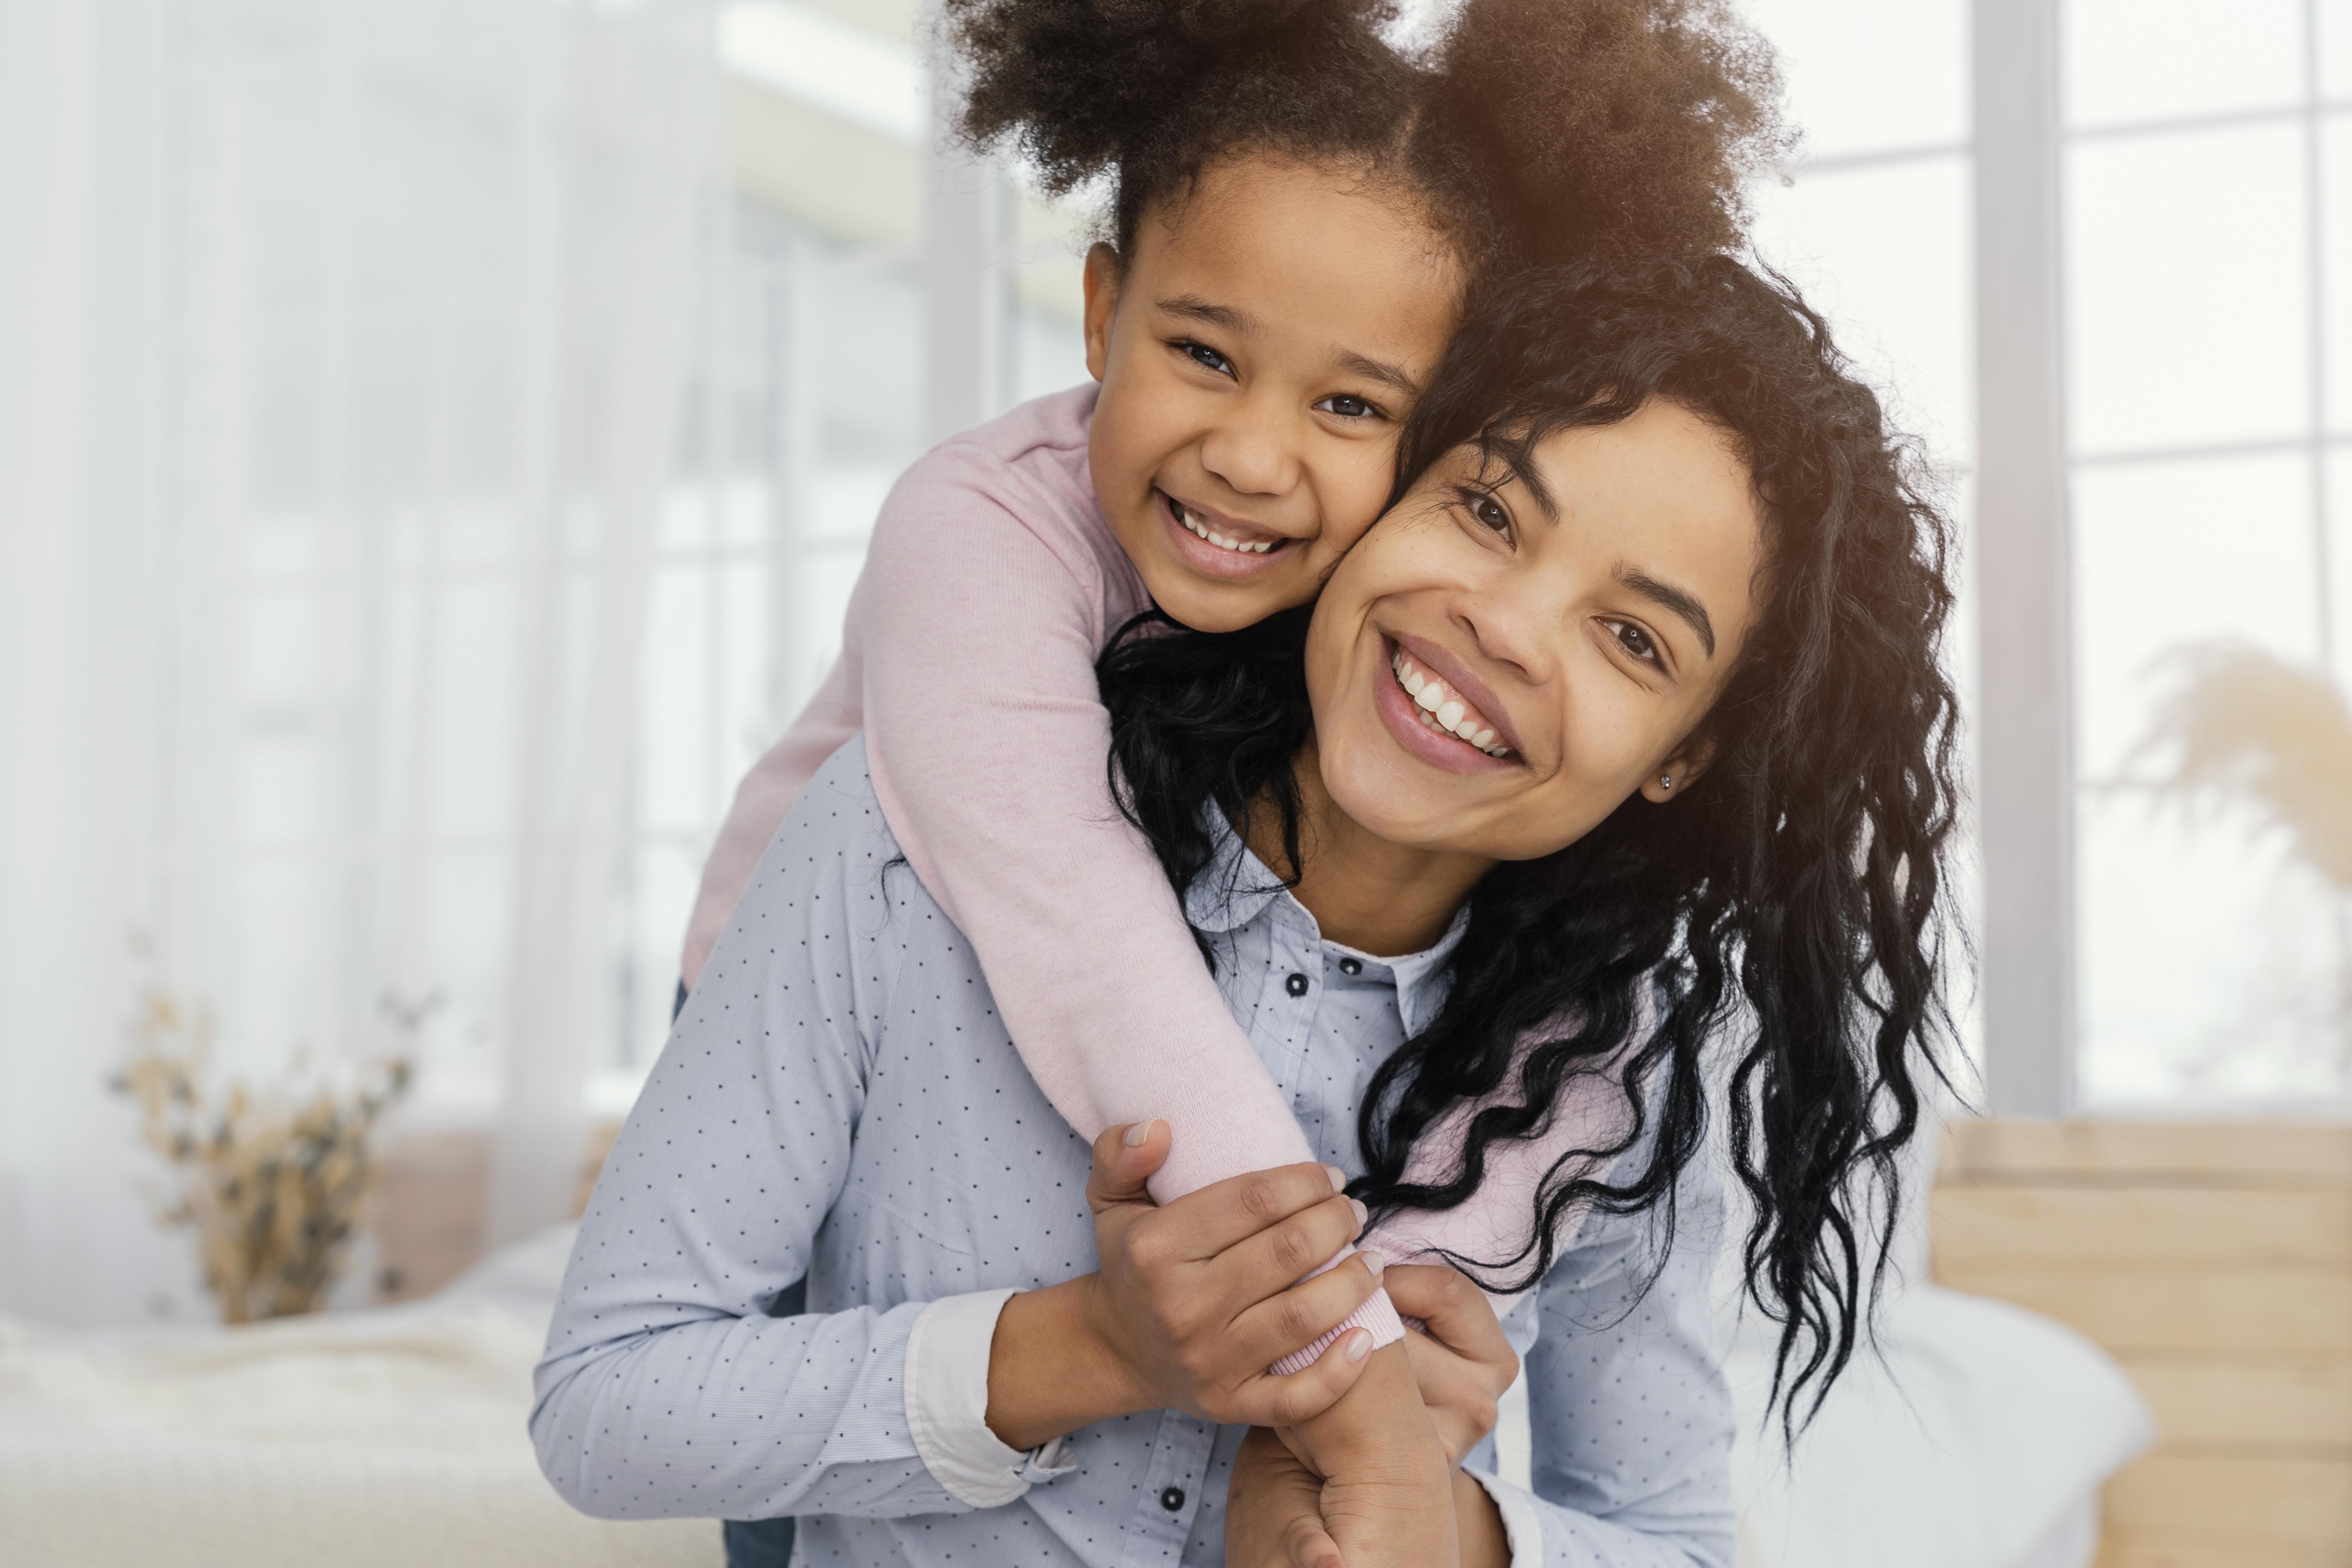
point(1297, 212)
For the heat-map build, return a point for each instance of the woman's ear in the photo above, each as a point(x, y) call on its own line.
point(1102, 304)
point(1678, 772)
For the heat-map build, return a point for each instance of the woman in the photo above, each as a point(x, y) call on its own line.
point(1661, 545)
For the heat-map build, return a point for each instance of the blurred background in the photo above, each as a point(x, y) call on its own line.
point(437, 438)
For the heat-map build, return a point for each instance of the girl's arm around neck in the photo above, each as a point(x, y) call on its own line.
point(986, 598)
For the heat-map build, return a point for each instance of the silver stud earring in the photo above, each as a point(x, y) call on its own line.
point(1666, 781)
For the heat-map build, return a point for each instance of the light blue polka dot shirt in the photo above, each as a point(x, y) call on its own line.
point(839, 1101)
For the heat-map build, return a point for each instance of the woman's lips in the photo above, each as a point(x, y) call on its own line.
point(1415, 727)
point(1218, 545)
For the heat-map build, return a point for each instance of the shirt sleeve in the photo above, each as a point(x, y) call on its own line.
point(665, 1390)
point(1631, 1421)
point(947, 1406)
point(979, 618)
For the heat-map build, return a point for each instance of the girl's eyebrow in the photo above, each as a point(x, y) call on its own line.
point(1193, 306)
point(1669, 598)
point(1379, 370)
point(1199, 309)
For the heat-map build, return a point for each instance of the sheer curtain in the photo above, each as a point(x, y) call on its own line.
point(345, 350)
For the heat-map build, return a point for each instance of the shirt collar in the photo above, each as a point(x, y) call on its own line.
point(1236, 888)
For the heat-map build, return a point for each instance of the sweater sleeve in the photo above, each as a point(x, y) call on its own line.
point(979, 625)
point(764, 797)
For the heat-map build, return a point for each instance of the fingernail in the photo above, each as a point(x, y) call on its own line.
point(1359, 1344)
point(1373, 1261)
point(1339, 1178)
point(1364, 1215)
point(1140, 1133)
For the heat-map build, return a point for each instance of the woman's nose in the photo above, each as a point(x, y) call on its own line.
point(1516, 626)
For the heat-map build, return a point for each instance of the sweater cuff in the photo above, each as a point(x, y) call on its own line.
point(947, 1406)
point(1376, 1314)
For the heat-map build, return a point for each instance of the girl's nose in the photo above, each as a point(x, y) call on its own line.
point(1252, 452)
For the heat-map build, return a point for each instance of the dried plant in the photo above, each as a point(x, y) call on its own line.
point(2243, 724)
point(271, 1180)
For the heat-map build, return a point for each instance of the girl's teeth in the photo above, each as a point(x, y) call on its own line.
point(1436, 706)
point(1218, 540)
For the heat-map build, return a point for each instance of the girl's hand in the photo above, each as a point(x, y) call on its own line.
point(1191, 1305)
point(1274, 1515)
point(1388, 1490)
point(1463, 1365)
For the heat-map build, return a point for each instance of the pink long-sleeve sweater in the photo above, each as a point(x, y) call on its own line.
point(991, 584)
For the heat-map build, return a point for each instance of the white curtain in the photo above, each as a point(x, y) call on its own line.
point(345, 348)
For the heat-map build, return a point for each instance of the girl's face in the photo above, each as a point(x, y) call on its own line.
point(1496, 668)
point(1258, 353)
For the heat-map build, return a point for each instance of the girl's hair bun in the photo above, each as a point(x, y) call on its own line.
point(1609, 128)
point(1083, 87)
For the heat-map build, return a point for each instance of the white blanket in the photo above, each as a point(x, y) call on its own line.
point(378, 1439)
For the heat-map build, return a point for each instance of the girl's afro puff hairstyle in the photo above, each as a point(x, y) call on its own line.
point(1535, 131)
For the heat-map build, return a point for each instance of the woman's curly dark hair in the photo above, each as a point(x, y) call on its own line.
point(1793, 902)
point(1532, 129)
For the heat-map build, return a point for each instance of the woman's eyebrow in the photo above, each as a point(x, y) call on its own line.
point(1667, 596)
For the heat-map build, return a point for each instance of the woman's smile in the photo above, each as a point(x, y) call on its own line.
point(1433, 718)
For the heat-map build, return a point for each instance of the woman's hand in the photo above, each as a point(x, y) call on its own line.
point(1274, 1516)
point(1191, 1304)
point(1463, 1365)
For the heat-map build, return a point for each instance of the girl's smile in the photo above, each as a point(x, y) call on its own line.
point(1219, 545)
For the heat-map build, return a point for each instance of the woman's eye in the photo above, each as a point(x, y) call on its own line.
point(1637, 642)
point(1346, 407)
point(1490, 514)
point(1202, 355)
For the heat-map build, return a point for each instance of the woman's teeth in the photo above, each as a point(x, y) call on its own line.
point(1442, 709)
point(1218, 540)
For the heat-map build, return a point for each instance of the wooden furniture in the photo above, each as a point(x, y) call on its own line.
point(431, 1200)
point(2215, 1262)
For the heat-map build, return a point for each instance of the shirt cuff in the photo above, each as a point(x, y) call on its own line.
point(947, 1406)
point(1522, 1524)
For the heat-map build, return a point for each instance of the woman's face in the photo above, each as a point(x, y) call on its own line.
point(1495, 668)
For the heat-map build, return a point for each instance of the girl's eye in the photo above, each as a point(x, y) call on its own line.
point(1347, 406)
point(1490, 514)
point(1202, 355)
point(1636, 642)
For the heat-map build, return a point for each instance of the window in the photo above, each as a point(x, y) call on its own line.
point(2207, 169)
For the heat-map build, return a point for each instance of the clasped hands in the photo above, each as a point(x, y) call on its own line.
point(1191, 1305)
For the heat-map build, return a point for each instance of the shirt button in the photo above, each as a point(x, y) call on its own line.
point(1295, 985)
point(1350, 966)
point(1173, 1499)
